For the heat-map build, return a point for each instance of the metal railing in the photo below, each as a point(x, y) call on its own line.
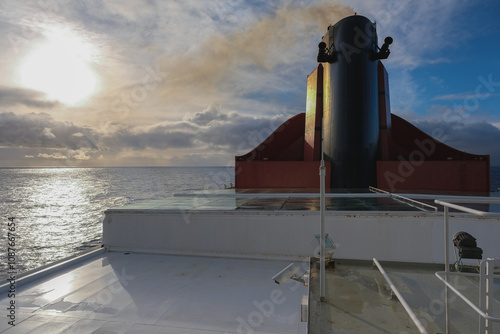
point(283, 195)
point(403, 302)
point(411, 202)
point(486, 287)
point(486, 268)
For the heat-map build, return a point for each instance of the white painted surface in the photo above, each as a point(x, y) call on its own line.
point(395, 236)
point(140, 293)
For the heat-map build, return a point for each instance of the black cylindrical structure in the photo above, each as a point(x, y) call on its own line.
point(350, 124)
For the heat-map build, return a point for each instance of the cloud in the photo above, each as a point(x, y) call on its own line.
point(70, 156)
point(475, 137)
point(10, 96)
point(56, 155)
point(458, 112)
point(423, 35)
point(41, 130)
point(464, 96)
point(272, 54)
point(48, 133)
point(82, 155)
point(420, 31)
point(208, 115)
point(246, 56)
point(210, 131)
point(161, 136)
point(240, 132)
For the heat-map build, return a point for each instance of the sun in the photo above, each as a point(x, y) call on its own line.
point(61, 67)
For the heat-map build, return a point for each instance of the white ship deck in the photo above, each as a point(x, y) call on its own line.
point(120, 293)
point(146, 293)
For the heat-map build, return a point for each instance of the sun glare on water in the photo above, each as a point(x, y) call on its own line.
point(61, 68)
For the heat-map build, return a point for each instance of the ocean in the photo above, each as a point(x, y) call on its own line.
point(58, 212)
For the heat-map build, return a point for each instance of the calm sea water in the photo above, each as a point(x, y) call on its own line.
point(58, 211)
point(495, 179)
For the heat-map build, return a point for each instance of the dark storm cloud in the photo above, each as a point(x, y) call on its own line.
point(209, 128)
point(206, 116)
point(477, 137)
point(160, 136)
point(240, 132)
point(10, 96)
point(41, 130)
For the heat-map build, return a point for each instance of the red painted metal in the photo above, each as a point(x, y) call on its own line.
point(421, 162)
point(279, 174)
point(437, 176)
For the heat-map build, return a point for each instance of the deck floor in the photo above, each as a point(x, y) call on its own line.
point(359, 300)
point(144, 293)
point(262, 203)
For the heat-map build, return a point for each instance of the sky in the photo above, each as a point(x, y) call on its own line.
point(195, 82)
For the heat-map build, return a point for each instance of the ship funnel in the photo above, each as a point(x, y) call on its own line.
point(350, 103)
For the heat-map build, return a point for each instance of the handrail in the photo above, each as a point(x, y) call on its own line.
point(465, 299)
point(406, 200)
point(413, 202)
point(470, 199)
point(469, 210)
point(403, 302)
point(282, 195)
point(455, 198)
point(447, 205)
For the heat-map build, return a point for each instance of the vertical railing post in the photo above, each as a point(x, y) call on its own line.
point(322, 274)
point(446, 264)
point(482, 296)
point(485, 291)
point(489, 295)
point(322, 174)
